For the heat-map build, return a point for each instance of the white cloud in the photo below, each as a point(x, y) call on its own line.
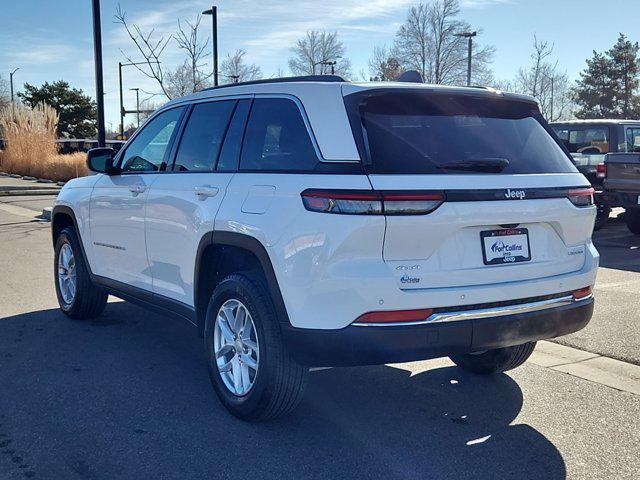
point(481, 3)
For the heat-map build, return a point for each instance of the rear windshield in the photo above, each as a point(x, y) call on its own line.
point(427, 133)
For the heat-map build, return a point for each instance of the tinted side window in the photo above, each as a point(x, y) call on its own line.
point(230, 154)
point(146, 152)
point(277, 138)
point(633, 139)
point(202, 137)
point(585, 139)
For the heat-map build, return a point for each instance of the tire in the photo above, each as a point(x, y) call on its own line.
point(277, 382)
point(88, 300)
point(632, 219)
point(494, 361)
point(602, 217)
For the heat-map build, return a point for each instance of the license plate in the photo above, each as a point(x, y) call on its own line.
point(505, 246)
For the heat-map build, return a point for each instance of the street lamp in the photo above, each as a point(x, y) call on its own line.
point(13, 105)
point(213, 11)
point(123, 111)
point(137, 90)
point(326, 63)
point(469, 36)
point(332, 64)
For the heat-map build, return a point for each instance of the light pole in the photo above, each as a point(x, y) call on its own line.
point(13, 105)
point(213, 11)
point(123, 111)
point(469, 36)
point(551, 79)
point(137, 90)
point(97, 53)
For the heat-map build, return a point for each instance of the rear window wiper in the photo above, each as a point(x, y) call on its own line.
point(487, 165)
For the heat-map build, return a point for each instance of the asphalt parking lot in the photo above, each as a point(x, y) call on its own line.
point(127, 396)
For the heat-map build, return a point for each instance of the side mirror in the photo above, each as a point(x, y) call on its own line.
point(101, 160)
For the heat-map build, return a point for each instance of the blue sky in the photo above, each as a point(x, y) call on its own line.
point(51, 40)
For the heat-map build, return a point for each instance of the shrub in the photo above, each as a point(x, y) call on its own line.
point(30, 136)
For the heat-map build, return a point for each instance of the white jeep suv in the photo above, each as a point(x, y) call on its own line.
point(316, 222)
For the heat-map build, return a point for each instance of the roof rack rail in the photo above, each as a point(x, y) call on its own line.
point(303, 78)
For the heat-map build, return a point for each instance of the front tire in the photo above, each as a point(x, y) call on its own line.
point(632, 219)
point(78, 297)
point(250, 368)
point(494, 361)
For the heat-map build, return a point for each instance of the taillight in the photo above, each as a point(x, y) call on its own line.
point(394, 316)
point(581, 197)
point(601, 170)
point(371, 202)
point(407, 203)
point(582, 293)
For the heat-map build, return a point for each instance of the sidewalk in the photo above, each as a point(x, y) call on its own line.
point(10, 186)
point(27, 198)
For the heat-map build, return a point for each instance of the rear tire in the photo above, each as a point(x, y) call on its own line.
point(264, 382)
point(632, 218)
point(494, 361)
point(77, 296)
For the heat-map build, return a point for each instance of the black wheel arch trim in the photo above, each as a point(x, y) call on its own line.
point(66, 210)
point(252, 245)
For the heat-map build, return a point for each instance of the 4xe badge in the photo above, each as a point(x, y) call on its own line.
point(515, 194)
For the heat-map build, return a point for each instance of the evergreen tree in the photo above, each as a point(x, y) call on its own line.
point(608, 87)
point(78, 114)
point(625, 67)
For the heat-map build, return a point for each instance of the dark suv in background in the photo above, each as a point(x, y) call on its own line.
point(589, 141)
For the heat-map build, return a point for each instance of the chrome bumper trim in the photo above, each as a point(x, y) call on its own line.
point(484, 312)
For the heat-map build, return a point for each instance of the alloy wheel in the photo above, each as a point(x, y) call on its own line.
point(236, 348)
point(67, 279)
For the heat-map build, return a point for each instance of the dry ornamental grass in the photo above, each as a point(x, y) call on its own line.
point(31, 149)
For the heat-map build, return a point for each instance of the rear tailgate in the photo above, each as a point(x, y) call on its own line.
point(623, 173)
point(451, 247)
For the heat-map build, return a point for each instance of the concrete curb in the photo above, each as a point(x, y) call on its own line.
point(46, 213)
point(588, 366)
point(29, 191)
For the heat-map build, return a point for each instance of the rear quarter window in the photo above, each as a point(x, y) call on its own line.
point(276, 138)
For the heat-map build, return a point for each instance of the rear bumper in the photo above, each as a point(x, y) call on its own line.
point(620, 199)
point(371, 345)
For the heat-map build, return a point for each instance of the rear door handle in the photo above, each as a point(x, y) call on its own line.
point(137, 188)
point(205, 192)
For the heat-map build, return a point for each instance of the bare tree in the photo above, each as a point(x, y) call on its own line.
point(313, 53)
point(428, 42)
point(179, 81)
point(543, 81)
point(147, 107)
point(383, 66)
point(149, 47)
point(187, 40)
point(235, 69)
point(187, 77)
